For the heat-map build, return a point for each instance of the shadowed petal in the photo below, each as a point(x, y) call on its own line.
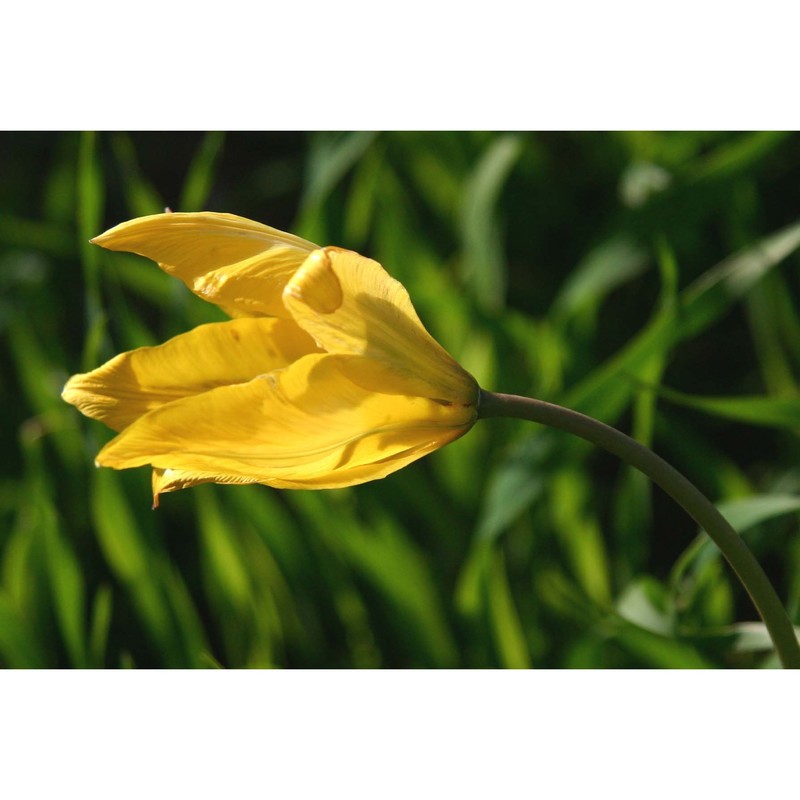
point(351, 305)
point(227, 260)
point(308, 425)
point(171, 480)
point(218, 354)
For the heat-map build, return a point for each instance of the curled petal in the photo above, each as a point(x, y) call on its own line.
point(219, 354)
point(350, 305)
point(171, 480)
point(231, 261)
point(308, 425)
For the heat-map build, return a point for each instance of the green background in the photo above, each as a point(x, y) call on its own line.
point(647, 279)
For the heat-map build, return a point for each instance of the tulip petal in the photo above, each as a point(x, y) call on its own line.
point(231, 261)
point(217, 354)
point(350, 305)
point(171, 480)
point(308, 425)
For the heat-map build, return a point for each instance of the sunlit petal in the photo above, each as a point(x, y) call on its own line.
point(307, 425)
point(228, 260)
point(218, 354)
point(341, 385)
point(350, 304)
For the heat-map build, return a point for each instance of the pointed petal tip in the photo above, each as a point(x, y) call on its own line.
point(110, 239)
point(316, 284)
point(101, 240)
point(70, 387)
point(74, 394)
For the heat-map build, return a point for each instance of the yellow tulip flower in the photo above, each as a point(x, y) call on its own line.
point(325, 377)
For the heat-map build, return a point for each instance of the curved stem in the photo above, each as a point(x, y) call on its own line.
point(732, 546)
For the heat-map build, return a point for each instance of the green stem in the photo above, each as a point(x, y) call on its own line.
point(732, 546)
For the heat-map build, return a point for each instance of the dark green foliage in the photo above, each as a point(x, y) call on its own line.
point(647, 279)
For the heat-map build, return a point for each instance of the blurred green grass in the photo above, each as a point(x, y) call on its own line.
point(648, 279)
